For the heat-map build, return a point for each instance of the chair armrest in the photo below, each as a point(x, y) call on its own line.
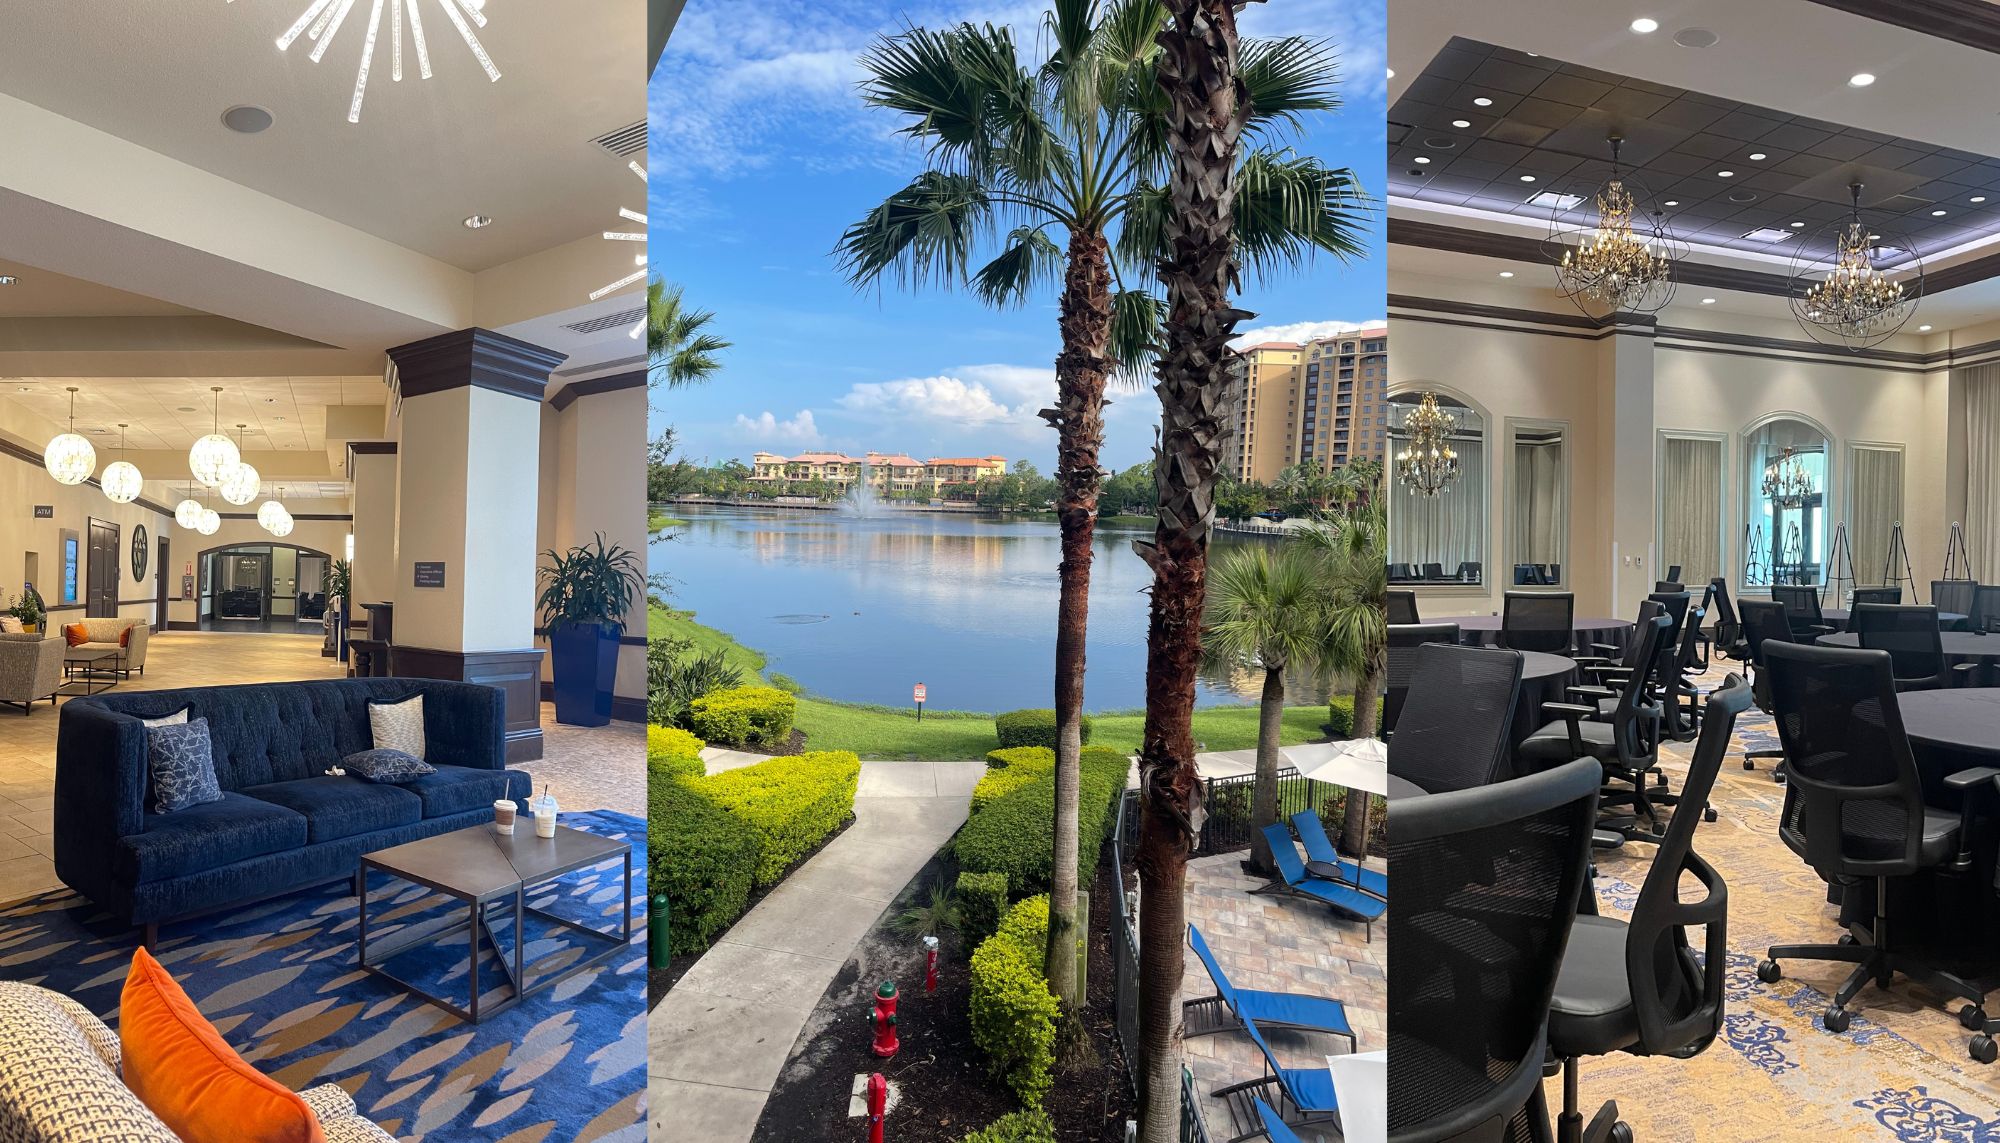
point(1592, 692)
point(465, 724)
point(1967, 784)
point(1608, 650)
point(1574, 715)
point(1962, 673)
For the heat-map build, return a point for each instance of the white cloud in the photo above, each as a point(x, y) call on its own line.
point(950, 399)
point(798, 429)
point(1302, 331)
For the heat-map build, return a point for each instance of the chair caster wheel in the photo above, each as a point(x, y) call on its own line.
point(1838, 1019)
point(1972, 1017)
point(1848, 939)
point(1749, 765)
point(1659, 829)
point(1621, 1132)
point(1983, 1049)
point(1769, 972)
point(1708, 815)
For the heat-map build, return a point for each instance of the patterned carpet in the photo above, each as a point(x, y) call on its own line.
point(1901, 1071)
point(279, 981)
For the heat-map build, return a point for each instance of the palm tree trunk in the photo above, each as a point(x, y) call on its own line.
point(1264, 803)
point(1081, 370)
point(1367, 723)
point(1206, 108)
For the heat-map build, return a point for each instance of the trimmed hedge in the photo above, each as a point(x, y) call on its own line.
point(1340, 716)
point(1008, 770)
point(744, 716)
point(1032, 728)
point(672, 753)
point(1016, 1127)
point(701, 857)
point(1013, 832)
point(982, 900)
point(789, 804)
point(1013, 1012)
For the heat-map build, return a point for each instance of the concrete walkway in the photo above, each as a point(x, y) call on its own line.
point(719, 1040)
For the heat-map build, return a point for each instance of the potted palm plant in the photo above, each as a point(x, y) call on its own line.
point(586, 594)
point(28, 609)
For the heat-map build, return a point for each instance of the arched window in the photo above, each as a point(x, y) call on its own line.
point(1787, 522)
point(1438, 536)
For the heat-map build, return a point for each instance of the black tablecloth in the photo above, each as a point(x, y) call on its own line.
point(1477, 630)
point(1404, 788)
point(1544, 678)
point(1838, 617)
point(1959, 646)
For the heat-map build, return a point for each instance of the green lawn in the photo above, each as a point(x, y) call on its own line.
point(682, 625)
point(660, 521)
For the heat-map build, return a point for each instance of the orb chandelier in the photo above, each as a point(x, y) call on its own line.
point(1619, 262)
point(69, 458)
point(208, 522)
point(322, 19)
point(188, 512)
point(1427, 463)
point(242, 483)
point(214, 456)
point(1850, 299)
point(1787, 484)
point(275, 518)
point(121, 480)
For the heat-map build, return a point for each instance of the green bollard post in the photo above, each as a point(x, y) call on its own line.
point(656, 931)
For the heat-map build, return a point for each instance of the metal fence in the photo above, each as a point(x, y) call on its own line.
point(1228, 803)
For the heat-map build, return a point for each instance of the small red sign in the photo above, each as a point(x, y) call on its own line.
point(920, 692)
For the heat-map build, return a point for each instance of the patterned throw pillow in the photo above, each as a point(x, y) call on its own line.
point(399, 725)
point(380, 765)
point(182, 759)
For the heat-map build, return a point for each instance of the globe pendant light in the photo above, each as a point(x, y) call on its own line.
point(121, 480)
point(275, 518)
point(214, 456)
point(241, 484)
point(208, 523)
point(188, 512)
point(69, 458)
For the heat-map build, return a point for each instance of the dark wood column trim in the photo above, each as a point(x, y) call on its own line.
point(476, 358)
point(614, 383)
point(367, 448)
point(1974, 23)
point(518, 674)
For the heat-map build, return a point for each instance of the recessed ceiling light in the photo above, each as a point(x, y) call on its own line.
point(1937, 214)
point(1506, 273)
point(1555, 200)
point(1923, 329)
point(6, 279)
point(1461, 123)
point(1708, 301)
point(1527, 178)
point(1645, 25)
point(1482, 101)
point(1766, 234)
point(1979, 198)
point(1758, 156)
point(1860, 79)
point(477, 222)
point(1673, 202)
point(1421, 159)
point(1695, 38)
point(1797, 225)
point(245, 119)
point(1725, 174)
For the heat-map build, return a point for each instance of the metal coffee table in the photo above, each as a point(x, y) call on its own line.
point(86, 667)
point(490, 872)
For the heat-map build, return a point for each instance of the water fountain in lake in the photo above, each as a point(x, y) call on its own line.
point(861, 499)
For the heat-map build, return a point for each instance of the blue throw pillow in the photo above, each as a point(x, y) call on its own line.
point(182, 759)
point(385, 765)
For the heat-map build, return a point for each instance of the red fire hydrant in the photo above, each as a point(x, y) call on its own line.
point(878, 1105)
point(930, 966)
point(886, 1044)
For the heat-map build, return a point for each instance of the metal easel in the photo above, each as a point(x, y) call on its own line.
point(1841, 557)
point(1957, 557)
point(1898, 548)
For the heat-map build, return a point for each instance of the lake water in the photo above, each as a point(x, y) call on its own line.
point(861, 608)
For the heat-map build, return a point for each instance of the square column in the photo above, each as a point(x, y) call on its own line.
point(371, 468)
point(466, 506)
point(1624, 441)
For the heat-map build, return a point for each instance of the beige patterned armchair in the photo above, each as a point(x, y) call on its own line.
point(30, 670)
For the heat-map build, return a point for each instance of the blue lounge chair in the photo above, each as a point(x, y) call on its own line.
point(1249, 1005)
point(1306, 1093)
point(1320, 851)
point(1338, 895)
point(1274, 1126)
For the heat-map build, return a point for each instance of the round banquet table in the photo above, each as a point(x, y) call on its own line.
point(1959, 646)
point(1404, 788)
point(1838, 617)
point(1475, 630)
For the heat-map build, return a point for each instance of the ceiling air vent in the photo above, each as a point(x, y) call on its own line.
point(626, 141)
point(623, 319)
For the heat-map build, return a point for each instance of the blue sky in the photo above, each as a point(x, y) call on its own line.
point(762, 153)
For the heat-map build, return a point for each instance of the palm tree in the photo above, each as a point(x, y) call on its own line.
point(1214, 209)
point(678, 352)
point(1057, 172)
point(1267, 605)
point(1355, 572)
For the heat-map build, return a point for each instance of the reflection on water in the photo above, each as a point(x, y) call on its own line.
point(862, 608)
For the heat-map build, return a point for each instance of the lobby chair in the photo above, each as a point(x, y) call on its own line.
point(1909, 633)
point(1456, 722)
point(1636, 987)
point(1764, 623)
point(1802, 611)
point(1480, 935)
point(1538, 621)
point(1875, 595)
point(1854, 808)
point(1728, 640)
point(1403, 607)
point(1958, 596)
point(31, 669)
point(1404, 639)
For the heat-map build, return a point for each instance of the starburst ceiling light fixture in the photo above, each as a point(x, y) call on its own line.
point(1852, 298)
point(214, 456)
point(638, 259)
point(121, 480)
point(1427, 463)
point(69, 458)
point(322, 19)
point(242, 484)
point(1620, 262)
point(1787, 484)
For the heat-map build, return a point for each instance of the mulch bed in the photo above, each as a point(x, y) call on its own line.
point(944, 1084)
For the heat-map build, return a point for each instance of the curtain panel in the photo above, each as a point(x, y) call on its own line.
point(1691, 507)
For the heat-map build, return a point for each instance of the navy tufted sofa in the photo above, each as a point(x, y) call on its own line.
point(283, 824)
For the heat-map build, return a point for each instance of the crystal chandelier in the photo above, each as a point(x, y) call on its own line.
point(1620, 262)
point(214, 456)
point(241, 485)
point(1427, 463)
point(322, 19)
point(1850, 300)
point(121, 480)
point(1787, 484)
point(69, 458)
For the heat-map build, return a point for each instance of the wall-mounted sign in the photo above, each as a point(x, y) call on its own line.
point(430, 574)
point(45, 511)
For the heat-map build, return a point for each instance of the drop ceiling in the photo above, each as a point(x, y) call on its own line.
point(171, 413)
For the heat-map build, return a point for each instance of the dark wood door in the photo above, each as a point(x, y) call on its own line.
point(103, 571)
point(162, 572)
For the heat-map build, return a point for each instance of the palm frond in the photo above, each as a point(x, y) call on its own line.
point(1020, 145)
point(924, 233)
point(678, 351)
point(1135, 335)
point(1287, 78)
point(1032, 260)
point(1291, 207)
point(919, 74)
point(1142, 229)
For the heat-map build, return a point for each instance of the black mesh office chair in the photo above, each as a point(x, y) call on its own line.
point(1875, 595)
point(1802, 610)
point(1854, 807)
point(1681, 695)
point(1404, 639)
point(1403, 607)
point(1764, 622)
point(1433, 571)
point(1668, 585)
point(1954, 595)
point(1674, 573)
point(1985, 609)
point(1468, 570)
point(1909, 632)
point(1488, 881)
point(1402, 571)
point(1636, 986)
point(1538, 621)
point(1728, 639)
point(1452, 732)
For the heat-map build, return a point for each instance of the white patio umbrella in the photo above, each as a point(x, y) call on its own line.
point(1358, 764)
point(1361, 1086)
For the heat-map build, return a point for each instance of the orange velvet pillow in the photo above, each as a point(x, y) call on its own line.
point(75, 634)
point(125, 637)
point(178, 1065)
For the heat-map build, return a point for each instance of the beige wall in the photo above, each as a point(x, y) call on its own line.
point(329, 536)
point(593, 479)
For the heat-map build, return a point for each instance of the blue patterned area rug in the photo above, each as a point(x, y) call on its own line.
point(280, 981)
